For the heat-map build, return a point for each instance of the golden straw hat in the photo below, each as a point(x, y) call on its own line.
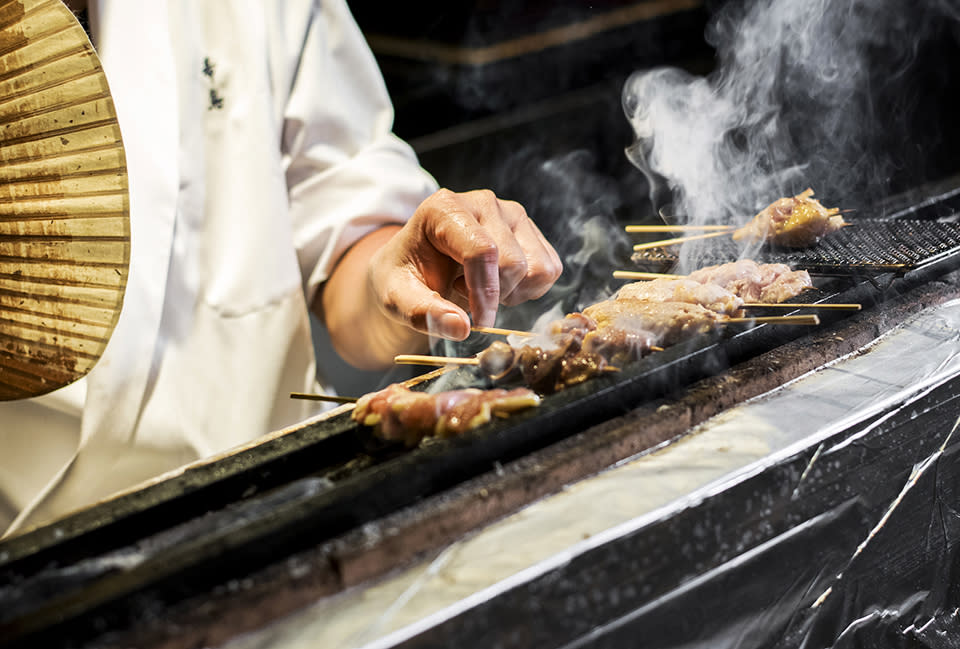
point(64, 209)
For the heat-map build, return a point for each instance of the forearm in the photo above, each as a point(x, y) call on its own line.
point(360, 331)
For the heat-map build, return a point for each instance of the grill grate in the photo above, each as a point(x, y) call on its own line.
point(868, 246)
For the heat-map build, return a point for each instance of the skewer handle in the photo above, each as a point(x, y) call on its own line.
point(678, 240)
point(782, 319)
point(678, 228)
point(322, 397)
point(788, 305)
point(636, 274)
point(421, 359)
point(500, 332)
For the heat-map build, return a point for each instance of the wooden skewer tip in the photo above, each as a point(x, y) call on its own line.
point(678, 240)
point(632, 274)
point(789, 305)
point(677, 228)
point(500, 332)
point(422, 359)
point(782, 319)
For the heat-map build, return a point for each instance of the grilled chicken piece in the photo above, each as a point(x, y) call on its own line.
point(786, 286)
point(794, 222)
point(619, 346)
point(754, 282)
point(666, 322)
point(545, 369)
point(397, 413)
point(550, 370)
point(712, 296)
point(739, 277)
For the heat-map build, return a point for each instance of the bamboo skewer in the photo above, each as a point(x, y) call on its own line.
point(677, 228)
point(322, 397)
point(678, 240)
point(636, 274)
point(500, 332)
point(424, 359)
point(777, 319)
point(789, 305)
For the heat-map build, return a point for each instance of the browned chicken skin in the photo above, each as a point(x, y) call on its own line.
point(398, 413)
point(794, 222)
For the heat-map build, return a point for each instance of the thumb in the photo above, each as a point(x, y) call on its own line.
point(421, 308)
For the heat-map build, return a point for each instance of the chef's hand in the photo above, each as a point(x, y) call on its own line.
point(457, 250)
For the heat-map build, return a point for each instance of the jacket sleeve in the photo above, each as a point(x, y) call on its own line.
point(347, 173)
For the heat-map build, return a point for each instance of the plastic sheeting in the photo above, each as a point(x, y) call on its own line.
point(822, 514)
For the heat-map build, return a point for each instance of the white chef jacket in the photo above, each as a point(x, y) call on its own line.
point(259, 147)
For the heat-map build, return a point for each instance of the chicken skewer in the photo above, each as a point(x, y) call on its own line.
point(598, 340)
point(755, 282)
point(636, 322)
point(398, 413)
point(793, 222)
point(712, 296)
point(641, 277)
point(759, 285)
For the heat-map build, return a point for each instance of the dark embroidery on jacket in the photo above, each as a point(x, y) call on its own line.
point(216, 100)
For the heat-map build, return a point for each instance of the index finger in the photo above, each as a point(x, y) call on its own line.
point(458, 235)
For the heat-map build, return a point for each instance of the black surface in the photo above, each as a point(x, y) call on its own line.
point(745, 567)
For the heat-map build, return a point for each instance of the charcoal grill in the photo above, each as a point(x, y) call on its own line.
point(867, 247)
point(239, 515)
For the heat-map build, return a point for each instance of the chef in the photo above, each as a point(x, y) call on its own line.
point(265, 182)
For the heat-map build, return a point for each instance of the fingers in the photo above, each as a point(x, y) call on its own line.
point(407, 298)
point(452, 227)
point(542, 263)
point(505, 257)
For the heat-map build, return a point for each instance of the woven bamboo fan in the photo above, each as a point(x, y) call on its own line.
point(64, 211)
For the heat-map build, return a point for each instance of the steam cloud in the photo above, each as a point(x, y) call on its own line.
point(837, 95)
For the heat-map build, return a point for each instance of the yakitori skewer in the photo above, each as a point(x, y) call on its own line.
point(756, 285)
point(677, 228)
point(426, 359)
point(627, 274)
point(793, 222)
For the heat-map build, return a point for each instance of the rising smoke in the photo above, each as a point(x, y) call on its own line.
point(849, 97)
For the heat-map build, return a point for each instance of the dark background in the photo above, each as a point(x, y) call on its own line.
point(508, 96)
